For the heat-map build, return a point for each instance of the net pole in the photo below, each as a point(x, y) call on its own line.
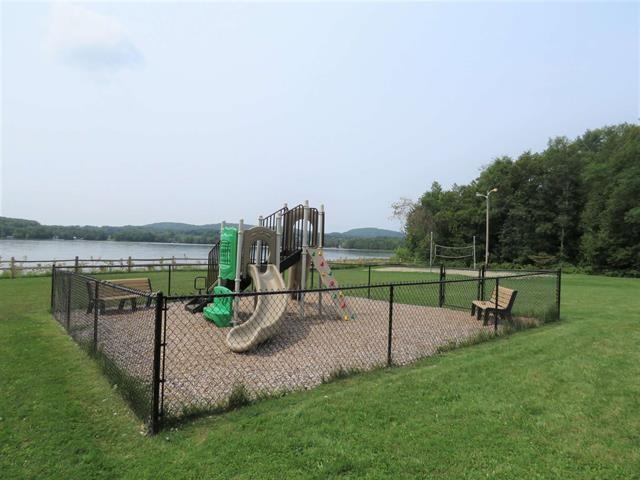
point(474, 252)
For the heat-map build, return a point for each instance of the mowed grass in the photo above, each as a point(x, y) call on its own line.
point(560, 401)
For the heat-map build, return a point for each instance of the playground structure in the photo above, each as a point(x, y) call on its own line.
point(288, 240)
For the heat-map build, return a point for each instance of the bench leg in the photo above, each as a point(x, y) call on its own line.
point(134, 304)
point(479, 312)
point(487, 312)
point(473, 309)
point(90, 306)
point(121, 305)
point(102, 306)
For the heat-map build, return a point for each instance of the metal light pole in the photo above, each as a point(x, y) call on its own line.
point(486, 241)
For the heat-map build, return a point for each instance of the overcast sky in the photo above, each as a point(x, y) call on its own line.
point(131, 113)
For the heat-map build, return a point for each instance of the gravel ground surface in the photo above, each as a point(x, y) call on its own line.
point(200, 371)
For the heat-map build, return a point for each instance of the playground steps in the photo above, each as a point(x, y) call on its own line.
point(324, 272)
point(196, 305)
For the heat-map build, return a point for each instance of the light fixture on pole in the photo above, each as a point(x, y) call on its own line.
point(486, 242)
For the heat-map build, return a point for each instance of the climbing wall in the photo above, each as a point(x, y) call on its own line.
point(324, 271)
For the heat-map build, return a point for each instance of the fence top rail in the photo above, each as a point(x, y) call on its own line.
point(124, 267)
point(110, 285)
point(354, 287)
point(122, 259)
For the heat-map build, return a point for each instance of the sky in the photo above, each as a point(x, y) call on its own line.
point(132, 113)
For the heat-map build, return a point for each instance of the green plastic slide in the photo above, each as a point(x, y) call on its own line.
point(220, 311)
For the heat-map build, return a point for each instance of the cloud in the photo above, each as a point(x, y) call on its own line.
point(85, 39)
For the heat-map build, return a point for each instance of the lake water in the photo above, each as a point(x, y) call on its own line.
point(47, 250)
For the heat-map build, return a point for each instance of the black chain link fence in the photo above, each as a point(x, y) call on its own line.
point(172, 364)
point(114, 324)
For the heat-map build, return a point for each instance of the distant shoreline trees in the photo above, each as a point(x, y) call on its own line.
point(30, 230)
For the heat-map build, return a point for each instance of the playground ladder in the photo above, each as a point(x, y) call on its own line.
point(328, 280)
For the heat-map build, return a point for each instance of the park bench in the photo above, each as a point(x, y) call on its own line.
point(112, 294)
point(500, 307)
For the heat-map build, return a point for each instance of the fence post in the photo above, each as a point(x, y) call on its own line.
point(157, 344)
point(495, 312)
point(482, 279)
point(558, 284)
point(369, 283)
point(169, 285)
point(68, 306)
point(96, 313)
point(441, 287)
point(13, 267)
point(53, 281)
point(390, 332)
point(76, 264)
point(129, 264)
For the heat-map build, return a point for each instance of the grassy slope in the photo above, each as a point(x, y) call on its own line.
point(561, 401)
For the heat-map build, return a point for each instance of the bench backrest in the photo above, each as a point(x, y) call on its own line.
point(105, 291)
point(506, 297)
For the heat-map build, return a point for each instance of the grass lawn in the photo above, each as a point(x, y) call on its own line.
point(560, 401)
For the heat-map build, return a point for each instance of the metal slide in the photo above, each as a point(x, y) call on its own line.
point(269, 311)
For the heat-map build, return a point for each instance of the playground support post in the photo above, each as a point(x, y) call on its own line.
point(369, 282)
point(305, 246)
point(320, 245)
point(223, 225)
point(258, 258)
point(278, 239)
point(238, 264)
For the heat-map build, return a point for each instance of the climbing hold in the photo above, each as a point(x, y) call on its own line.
point(346, 317)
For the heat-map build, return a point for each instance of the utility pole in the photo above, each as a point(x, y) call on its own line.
point(486, 241)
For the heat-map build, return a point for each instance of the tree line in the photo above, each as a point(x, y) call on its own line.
point(577, 202)
point(31, 230)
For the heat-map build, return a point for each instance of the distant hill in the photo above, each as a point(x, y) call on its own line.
point(180, 227)
point(368, 232)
